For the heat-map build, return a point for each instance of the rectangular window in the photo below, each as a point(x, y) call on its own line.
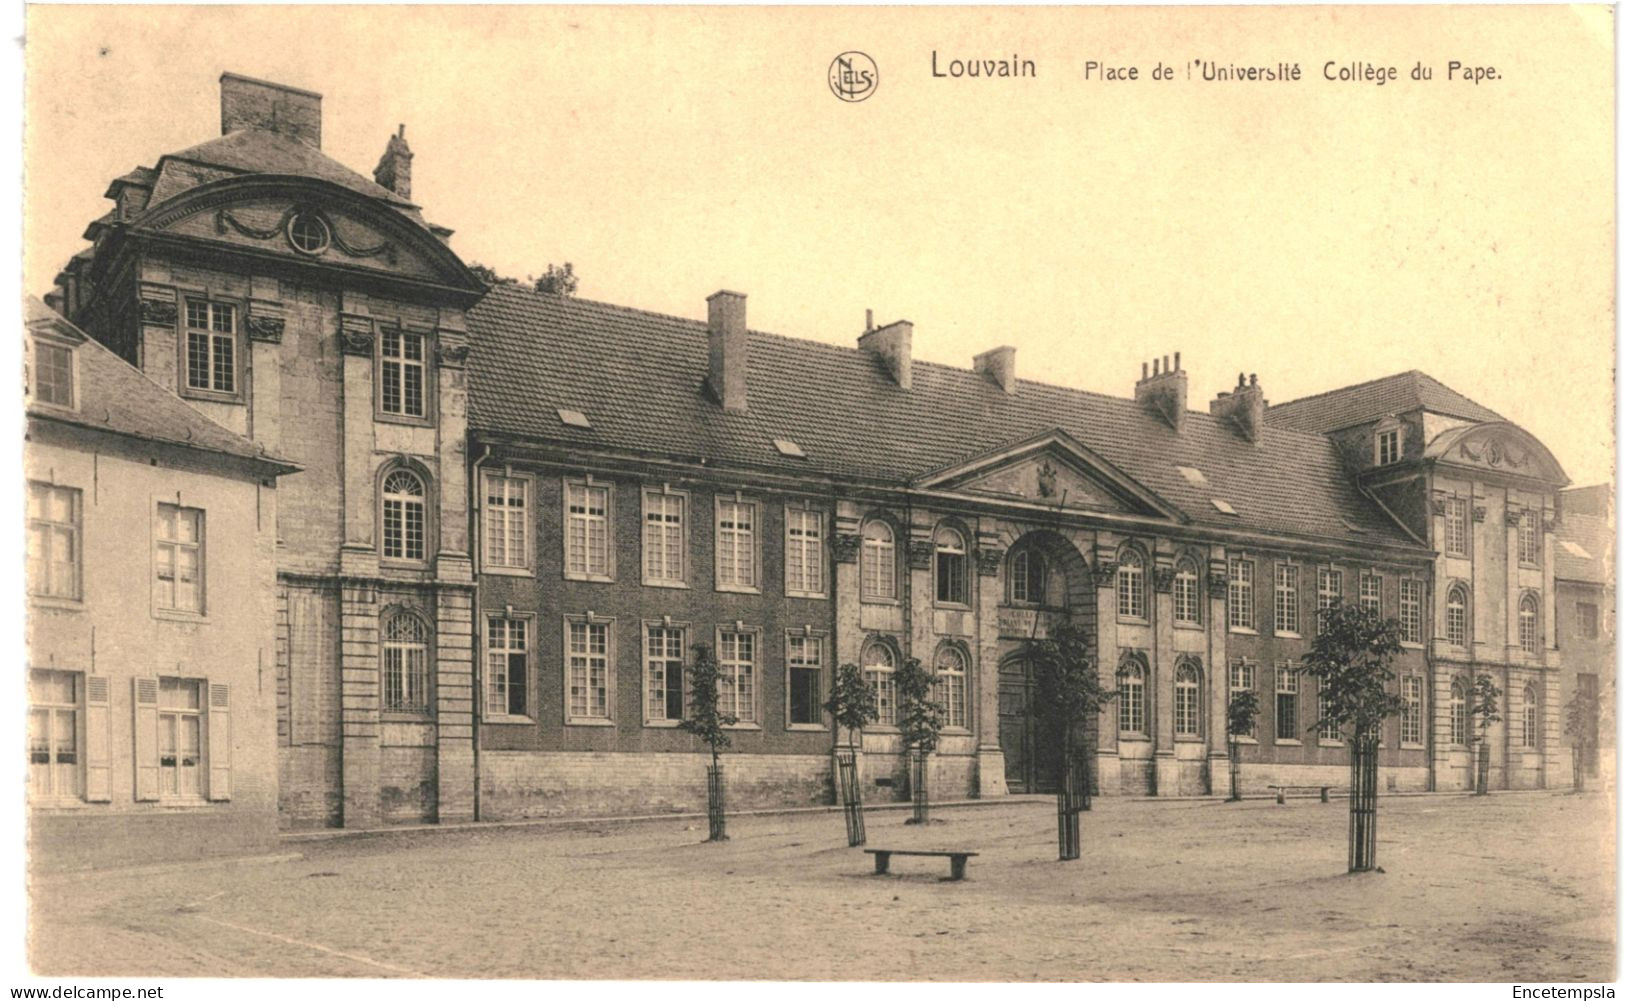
point(1588, 619)
point(401, 356)
point(1240, 594)
point(507, 666)
point(1529, 537)
point(53, 541)
point(1326, 731)
point(665, 551)
point(1455, 526)
point(1286, 702)
point(663, 672)
point(179, 559)
point(1187, 596)
point(1410, 717)
point(53, 374)
point(1371, 592)
point(1286, 598)
point(804, 659)
point(1387, 447)
point(1328, 588)
point(803, 551)
point(211, 346)
point(1242, 680)
point(180, 744)
point(586, 531)
point(736, 544)
point(1410, 610)
point(53, 735)
point(879, 562)
point(589, 670)
point(507, 524)
point(736, 688)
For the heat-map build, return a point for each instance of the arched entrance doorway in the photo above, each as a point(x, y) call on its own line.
point(1045, 584)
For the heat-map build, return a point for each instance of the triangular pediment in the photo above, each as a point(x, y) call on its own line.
point(1051, 468)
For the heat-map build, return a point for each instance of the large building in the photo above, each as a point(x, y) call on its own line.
point(520, 514)
point(152, 559)
point(1585, 625)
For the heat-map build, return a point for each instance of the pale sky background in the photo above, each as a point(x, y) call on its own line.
point(1318, 233)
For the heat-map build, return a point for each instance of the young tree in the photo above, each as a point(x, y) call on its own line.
point(1485, 704)
point(1068, 697)
point(1350, 660)
point(1580, 723)
point(557, 280)
point(1240, 718)
point(920, 723)
point(707, 721)
point(853, 706)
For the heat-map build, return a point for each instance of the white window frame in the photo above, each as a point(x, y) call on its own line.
point(731, 573)
point(1130, 585)
point(1390, 445)
point(1410, 611)
point(42, 566)
point(806, 542)
point(393, 367)
point(1241, 615)
point(178, 714)
point(1461, 720)
point(1457, 536)
point(1529, 634)
point(879, 555)
point(58, 715)
point(815, 642)
point(1371, 591)
point(1413, 696)
point(589, 624)
point(1243, 678)
point(951, 668)
point(581, 524)
point(405, 502)
point(416, 685)
point(1529, 537)
point(1288, 607)
point(169, 605)
point(37, 344)
point(1288, 683)
point(1131, 702)
point(880, 673)
point(1328, 586)
point(500, 670)
point(1530, 717)
point(1188, 716)
point(662, 567)
point(667, 629)
point(514, 518)
point(728, 700)
point(1187, 593)
point(212, 339)
point(1462, 636)
point(943, 547)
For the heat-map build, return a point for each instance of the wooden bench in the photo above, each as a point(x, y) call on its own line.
point(956, 860)
point(1281, 791)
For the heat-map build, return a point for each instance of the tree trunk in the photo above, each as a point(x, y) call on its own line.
point(1579, 750)
point(1363, 803)
point(846, 764)
point(1070, 797)
point(1482, 783)
point(1235, 771)
point(715, 801)
point(919, 792)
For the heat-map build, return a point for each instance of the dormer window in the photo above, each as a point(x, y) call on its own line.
point(52, 373)
point(1388, 446)
point(309, 233)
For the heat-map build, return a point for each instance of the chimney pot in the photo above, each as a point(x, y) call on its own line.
point(999, 365)
point(394, 170)
point(893, 344)
point(1164, 392)
point(1243, 408)
point(1176, 361)
point(728, 343)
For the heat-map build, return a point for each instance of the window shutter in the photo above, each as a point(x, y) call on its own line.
point(98, 739)
point(146, 738)
point(219, 742)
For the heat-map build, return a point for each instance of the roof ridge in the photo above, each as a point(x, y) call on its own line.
point(1353, 386)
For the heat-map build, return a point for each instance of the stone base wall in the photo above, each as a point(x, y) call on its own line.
point(95, 839)
point(310, 784)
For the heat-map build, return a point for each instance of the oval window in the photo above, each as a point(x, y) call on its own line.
point(308, 233)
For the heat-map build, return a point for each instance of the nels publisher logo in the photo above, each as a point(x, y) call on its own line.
point(853, 76)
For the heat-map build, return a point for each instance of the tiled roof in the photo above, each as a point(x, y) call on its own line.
point(115, 396)
point(1369, 401)
point(256, 151)
point(1584, 548)
point(637, 376)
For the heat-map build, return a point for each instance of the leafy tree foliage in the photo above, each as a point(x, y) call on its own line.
point(705, 718)
point(1241, 715)
point(1351, 661)
point(1067, 685)
point(1484, 706)
point(1580, 723)
point(920, 719)
point(554, 281)
point(852, 702)
point(489, 275)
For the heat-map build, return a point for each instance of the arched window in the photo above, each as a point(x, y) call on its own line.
point(1187, 593)
point(1188, 699)
point(1458, 712)
point(1130, 585)
point(1529, 624)
point(1455, 616)
point(1131, 698)
point(880, 671)
point(404, 517)
point(1531, 716)
point(950, 556)
point(406, 663)
point(950, 685)
point(1028, 573)
point(879, 562)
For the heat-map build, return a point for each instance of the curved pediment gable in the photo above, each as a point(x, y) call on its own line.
point(1499, 447)
point(309, 221)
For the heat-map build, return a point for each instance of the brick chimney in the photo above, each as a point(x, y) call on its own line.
point(728, 349)
point(1242, 407)
point(394, 170)
point(999, 364)
point(246, 103)
point(893, 344)
point(1162, 390)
